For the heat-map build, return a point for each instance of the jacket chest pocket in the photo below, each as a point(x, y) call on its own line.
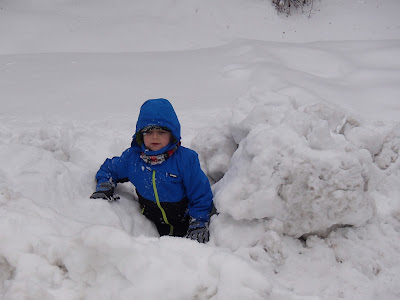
point(171, 178)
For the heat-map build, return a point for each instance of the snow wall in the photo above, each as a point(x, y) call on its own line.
point(306, 169)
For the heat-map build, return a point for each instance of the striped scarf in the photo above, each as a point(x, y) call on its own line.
point(160, 158)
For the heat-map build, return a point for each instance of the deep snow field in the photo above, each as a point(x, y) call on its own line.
point(296, 120)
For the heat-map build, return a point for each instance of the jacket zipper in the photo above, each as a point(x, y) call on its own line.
point(164, 215)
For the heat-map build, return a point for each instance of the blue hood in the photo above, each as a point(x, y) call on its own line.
point(157, 112)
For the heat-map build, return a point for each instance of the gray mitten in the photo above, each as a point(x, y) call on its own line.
point(198, 230)
point(105, 190)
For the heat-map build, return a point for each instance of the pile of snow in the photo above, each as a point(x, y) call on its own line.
point(309, 167)
point(299, 183)
point(56, 243)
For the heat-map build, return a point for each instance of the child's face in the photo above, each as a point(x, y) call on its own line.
point(156, 139)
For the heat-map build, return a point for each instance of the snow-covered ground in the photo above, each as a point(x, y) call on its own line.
point(296, 121)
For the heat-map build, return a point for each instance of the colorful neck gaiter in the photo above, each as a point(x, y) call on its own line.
point(160, 158)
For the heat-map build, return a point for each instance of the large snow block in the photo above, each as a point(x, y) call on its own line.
point(293, 164)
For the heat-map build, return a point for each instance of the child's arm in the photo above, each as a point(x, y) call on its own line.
point(200, 200)
point(198, 190)
point(110, 173)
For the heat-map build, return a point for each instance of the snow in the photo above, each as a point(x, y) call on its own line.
point(295, 120)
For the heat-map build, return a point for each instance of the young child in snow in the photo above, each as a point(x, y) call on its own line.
point(172, 189)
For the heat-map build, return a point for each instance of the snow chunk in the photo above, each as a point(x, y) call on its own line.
point(294, 165)
point(390, 149)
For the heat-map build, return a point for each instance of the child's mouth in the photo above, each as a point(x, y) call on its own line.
point(155, 145)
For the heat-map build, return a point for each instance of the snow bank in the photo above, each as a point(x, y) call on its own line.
point(56, 243)
point(90, 266)
point(302, 165)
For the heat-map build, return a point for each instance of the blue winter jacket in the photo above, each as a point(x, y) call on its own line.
point(177, 178)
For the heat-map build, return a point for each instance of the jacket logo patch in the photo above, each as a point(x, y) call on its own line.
point(172, 175)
